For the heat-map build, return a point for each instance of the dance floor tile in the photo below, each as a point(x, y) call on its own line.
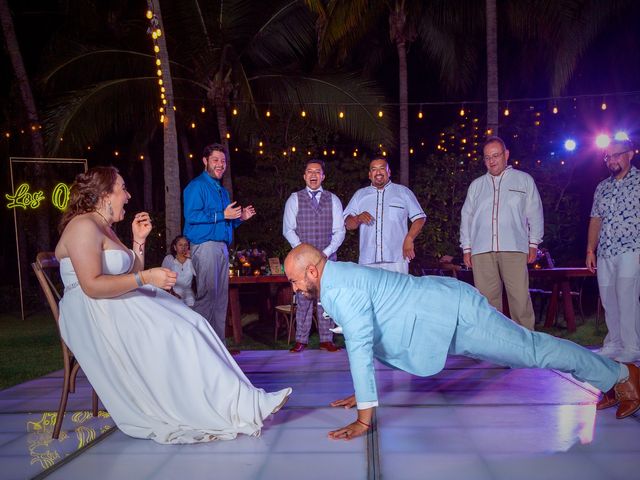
point(440, 465)
point(473, 420)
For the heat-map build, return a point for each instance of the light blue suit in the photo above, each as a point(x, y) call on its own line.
point(412, 323)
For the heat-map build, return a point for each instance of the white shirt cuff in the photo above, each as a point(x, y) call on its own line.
point(365, 405)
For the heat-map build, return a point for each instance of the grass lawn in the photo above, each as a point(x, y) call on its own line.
point(31, 348)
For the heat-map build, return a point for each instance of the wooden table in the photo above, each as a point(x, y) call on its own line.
point(559, 278)
point(234, 297)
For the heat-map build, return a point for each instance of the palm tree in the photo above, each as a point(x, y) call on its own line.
point(170, 136)
point(344, 25)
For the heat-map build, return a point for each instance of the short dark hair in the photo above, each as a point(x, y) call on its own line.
point(494, 139)
point(314, 160)
point(173, 247)
point(214, 147)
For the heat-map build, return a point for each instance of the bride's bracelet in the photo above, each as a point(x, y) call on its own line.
point(140, 247)
point(138, 278)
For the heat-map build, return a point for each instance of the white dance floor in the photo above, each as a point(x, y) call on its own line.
point(472, 421)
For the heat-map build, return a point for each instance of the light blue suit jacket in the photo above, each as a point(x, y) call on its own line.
point(405, 322)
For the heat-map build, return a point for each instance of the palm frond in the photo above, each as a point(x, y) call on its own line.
point(323, 97)
point(84, 117)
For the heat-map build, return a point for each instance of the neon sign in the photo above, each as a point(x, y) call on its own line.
point(24, 199)
point(60, 196)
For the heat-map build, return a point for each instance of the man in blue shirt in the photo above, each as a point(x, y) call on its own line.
point(209, 220)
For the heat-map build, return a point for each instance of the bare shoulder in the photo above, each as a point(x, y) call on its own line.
point(80, 229)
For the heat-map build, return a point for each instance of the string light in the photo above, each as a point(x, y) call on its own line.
point(234, 111)
point(341, 114)
point(555, 109)
point(506, 111)
point(268, 113)
point(203, 110)
point(193, 125)
point(604, 105)
point(303, 114)
point(380, 114)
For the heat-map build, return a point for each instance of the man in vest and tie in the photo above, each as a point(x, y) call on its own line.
point(314, 216)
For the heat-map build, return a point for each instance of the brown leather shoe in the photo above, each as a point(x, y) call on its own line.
point(298, 347)
point(329, 347)
point(608, 400)
point(628, 393)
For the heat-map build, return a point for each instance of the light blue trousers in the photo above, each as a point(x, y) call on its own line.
point(486, 334)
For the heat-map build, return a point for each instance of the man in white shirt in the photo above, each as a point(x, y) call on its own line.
point(313, 215)
point(381, 211)
point(501, 226)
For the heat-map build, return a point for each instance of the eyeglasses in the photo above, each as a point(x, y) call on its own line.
point(493, 156)
point(614, 156)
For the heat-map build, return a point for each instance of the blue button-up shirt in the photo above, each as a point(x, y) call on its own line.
point(204, 202)
point(617, 203)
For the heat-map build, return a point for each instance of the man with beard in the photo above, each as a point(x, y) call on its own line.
point(313, 215)
point(412, 323)
point(501, 226)
point(209, 220)
point(614, 229)
point(381, 211)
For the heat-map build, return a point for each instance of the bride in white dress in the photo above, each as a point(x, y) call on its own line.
point(158, 367)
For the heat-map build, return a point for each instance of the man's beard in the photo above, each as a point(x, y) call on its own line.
point(614, 168)
point(312, 291)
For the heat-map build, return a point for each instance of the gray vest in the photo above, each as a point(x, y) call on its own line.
point(315, 225)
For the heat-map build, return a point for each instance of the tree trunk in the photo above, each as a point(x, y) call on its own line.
point(401, 36)
point(171, 166)
point(404, 114)
point(221, 113)
point(492, 67)
point(26, 95)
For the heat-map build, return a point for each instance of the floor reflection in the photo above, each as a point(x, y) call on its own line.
point(79, 429)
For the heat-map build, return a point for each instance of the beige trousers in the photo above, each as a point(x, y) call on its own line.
point(492, 269)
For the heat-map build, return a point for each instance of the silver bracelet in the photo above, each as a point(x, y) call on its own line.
point(138, 279)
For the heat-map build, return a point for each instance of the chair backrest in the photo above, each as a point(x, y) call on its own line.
point(45, 263)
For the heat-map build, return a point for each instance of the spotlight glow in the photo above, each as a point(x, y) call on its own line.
point(603, 140)
point(621, 136)
point(570, 145)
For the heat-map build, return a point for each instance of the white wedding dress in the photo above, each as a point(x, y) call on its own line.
point(158, 367)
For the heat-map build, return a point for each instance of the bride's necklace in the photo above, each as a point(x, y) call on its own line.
point(104, 218)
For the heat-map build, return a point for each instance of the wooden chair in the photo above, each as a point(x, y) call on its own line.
point(46, 262)
point(285, 315)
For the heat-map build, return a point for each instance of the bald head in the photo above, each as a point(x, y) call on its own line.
point(304, 266)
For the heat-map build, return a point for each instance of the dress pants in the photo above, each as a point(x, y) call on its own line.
point(211, 263)
point(486, 334)
point(492, 269)
point(304, 318)
point(619, 285)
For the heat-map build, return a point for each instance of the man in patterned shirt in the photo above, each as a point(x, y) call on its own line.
point(614, 229)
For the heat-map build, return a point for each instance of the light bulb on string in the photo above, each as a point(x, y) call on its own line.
point(203, 110)
point(156, 48)
point(555, 109)
point(158, 62)
point(228, 135)
point(234, 111)
point(604, 105)
point(293, 149)
point(193, 125)
point(506, 111)
point(462, 112)
point(303, 114)
point(149, 15)
point(268, 113)
point(154, 35)
point(380, 114)
point(341, 114)
point(158, 32)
